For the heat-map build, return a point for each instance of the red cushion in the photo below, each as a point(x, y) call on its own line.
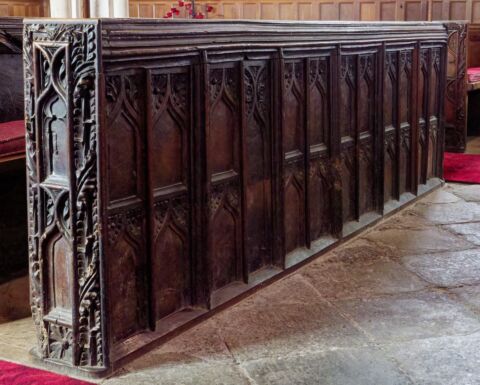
point(473, 70)
point(12, 138)
point(473, 74)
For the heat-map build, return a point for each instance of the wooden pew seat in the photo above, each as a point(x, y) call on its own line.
point(12, 140)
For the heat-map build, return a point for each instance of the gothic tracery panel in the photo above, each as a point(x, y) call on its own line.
point(257, 166)
point(366, 132)
point(390, 122)
point(294, 129)
point(320, 178)
point(170, 173)
point(223, 173)
point(348, 121)
point(127, 198)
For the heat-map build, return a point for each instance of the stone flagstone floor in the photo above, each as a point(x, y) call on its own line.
point(399, 304)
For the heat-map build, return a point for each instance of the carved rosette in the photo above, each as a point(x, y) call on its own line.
point(60, 107)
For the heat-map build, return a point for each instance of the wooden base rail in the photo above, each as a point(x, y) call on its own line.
point(174, 165)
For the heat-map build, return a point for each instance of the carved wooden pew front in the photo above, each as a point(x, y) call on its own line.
point(180, 164)
point(13, 212)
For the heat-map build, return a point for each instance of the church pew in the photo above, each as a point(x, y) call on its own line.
point(462, 101)
point(178, 165)
point(13, 212)
point(473, 85)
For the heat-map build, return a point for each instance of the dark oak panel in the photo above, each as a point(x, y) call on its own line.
point(169, 148)
point(223, 155)
point(257, 166)
point(398, 123)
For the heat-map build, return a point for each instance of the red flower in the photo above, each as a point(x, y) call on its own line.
point(169, 14)
point(199, 15)
point(209, 8)
point(188, 6)
point(175, 11)
point(181, 3)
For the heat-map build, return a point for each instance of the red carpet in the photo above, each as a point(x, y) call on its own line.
point(461, 168)
point(14, 374)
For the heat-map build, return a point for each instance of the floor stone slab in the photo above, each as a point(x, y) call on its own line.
point(448, 269)
point(12, 353)
point(459, 212)
point(20, 333)
point(359, 251)
point(410, 316)
point(361, 270)
point(409, 241)
point(202, 343)
point(284, 324)
point(341, 367)
point(469, 295)
point(468, 231)
point(440, 361)
point(403, 220)
point(468, 192)
point(191, 374)
point(441, 196)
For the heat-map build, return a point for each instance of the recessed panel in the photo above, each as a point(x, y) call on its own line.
point(328, 11)
point(413, 11)
point(146, 10)
point(250, 11)
point(306, 11)
point(437, 10)
point(458, 10)
point(288, 11)
point(368, 12)
point(476, 12)
point(231, 11)
point(269, 11)
point(388, 11)
point(346, 11)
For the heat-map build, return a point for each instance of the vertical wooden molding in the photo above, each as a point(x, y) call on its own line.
point(416, 98)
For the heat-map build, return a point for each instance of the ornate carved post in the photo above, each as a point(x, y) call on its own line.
point(61, 88)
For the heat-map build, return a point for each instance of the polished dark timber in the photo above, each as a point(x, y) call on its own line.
point(13, 211)
point(174, 165)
